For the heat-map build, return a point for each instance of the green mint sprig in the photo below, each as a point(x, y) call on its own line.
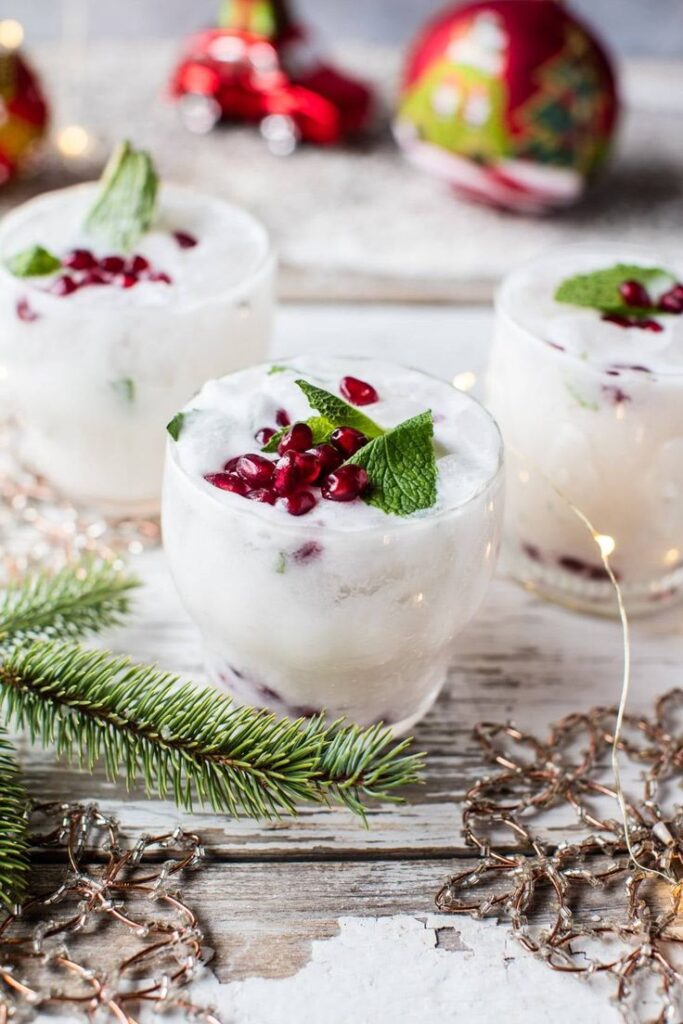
point(339, 412)
point(400, 463)
point(175, 426)
point(33, 262)
point(401, 467)
point(600, 289)
point(125, 207)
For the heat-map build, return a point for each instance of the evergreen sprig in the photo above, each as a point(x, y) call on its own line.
point(69, 604)
point(190, 742)
point(13, 827)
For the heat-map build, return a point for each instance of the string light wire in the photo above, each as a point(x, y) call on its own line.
point(606, 546)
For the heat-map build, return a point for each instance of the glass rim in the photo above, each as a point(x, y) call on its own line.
point(549, 256)
point(265, 261)
point(299, 525)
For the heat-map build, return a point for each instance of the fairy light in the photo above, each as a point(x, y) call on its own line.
point(606, 544)
point(464, 381)
point(524, 476)
point(73, 141)
point(11, 34)
point(672, 557)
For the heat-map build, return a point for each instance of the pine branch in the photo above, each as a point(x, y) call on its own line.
point(13, 827)
point(78, 600)
point(190, 743)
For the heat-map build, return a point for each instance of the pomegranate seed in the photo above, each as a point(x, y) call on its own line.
point(671, 301)
point(25, 313)
point(256, 470)
point(160, 276)
point(358, 392)
point(231, 465)
point(328, 460)
point(311, 549)
point(345, 484)
point(127, 280)
point(93, 277)
point(300, 503)
point(282, 418)
point(297, 439)
point(287, 474)
point(79, 259)
point(347, 440)
point(137, 265)
point(264, 435)
point(635, 294)
point(64, 285)
point(184, 240)
point(618, 319)
point(227, 482)
point(112, 264)
point(307, 466)
point(263, 494)
point(650, 325)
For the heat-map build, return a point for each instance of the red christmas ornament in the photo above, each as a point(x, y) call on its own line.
point(23, 112)
point(261, 67)
point(513, 102)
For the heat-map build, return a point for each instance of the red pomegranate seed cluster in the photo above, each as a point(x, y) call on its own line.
point(86, 270)
point(636, 294)
point(301, 466)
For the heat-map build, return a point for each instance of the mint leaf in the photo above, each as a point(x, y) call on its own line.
point(401, 467)
point(125, 207)
point(321, 428)
point(124, 388)
point(176, 425)
point(600, 290)
point(276, 368)
point(337, 411)
point(33, 262)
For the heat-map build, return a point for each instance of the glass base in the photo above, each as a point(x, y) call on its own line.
point(246, 692)
point(596, 597)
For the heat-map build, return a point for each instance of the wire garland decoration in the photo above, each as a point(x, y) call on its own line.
point(161, 951)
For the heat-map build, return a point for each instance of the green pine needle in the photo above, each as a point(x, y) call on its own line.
point(190, 743)
point(72, 603)
point(13, 827)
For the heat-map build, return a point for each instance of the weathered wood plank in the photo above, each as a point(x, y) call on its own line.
point(521, 658)
point(262, 918)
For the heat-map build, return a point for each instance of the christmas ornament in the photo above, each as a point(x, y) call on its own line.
point(512, 102)
point(261, 67)
point(23, 112)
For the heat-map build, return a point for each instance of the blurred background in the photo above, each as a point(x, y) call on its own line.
point(356, 220)
point(632, 26)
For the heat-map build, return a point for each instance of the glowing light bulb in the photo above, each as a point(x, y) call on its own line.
point(606, 543)
point(524, 476)
point(465, 381)
point(672, 557)
point(73, 140)
point(11, 34)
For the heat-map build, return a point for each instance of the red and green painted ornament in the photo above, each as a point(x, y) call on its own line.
point(512, 102)
point(23, 113)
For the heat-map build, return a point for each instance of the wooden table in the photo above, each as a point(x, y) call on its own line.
point(316, 921)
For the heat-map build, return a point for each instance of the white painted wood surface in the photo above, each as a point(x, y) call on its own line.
point(315, 920)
